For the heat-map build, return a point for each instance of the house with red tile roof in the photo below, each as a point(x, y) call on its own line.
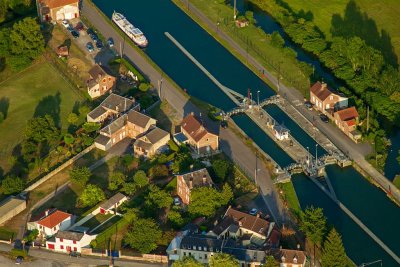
point(200, 138)
point(50, 222)
point(52, 10)
point(325, 99)
point(347, 121)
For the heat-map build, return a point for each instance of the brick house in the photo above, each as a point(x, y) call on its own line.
point(347, 121)
point(150, 144)
point(68, 241)
point(186, 182)
point(325, 99)
point(290, 258)
point(131, 125)
point(201, 139)
point(112, 107)
point(50, 222)
point(101, 81)
point(51, 10)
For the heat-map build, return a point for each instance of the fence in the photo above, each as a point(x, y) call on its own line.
point(58, 169)
point(128, 255)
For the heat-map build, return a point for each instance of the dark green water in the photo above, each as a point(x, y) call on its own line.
point(155, 17)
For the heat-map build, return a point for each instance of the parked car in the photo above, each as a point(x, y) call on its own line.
point(324, 118)
point(110, 42)
point(253, 211)
point(19, 260)
point(65, 23)
point(224, 124)
point(74, 254)
point(99, 44)
point(75, 34)
point(308, 105)
point(177, 201)
point(79, 26)
point(89, 47)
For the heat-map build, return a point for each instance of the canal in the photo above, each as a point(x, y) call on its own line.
point(155, 17)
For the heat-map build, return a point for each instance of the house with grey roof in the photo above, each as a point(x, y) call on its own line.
point(112, 107)
point(130, 125)
point(69, 241)
point(152, 143)
point(187, 181)
point(110, 205)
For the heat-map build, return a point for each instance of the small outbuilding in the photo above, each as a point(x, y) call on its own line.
point(281, 132)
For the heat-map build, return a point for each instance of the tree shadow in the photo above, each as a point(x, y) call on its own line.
point(50, 105)
point(2, 63)
point(4, 105)
point(357, 23)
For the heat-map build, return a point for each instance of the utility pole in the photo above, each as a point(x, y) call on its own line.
point(316, 155)
point(256, 170)
point(258, 98)
point(308, 156)
point(111, 258)
point(367, 119)
point(234, 10)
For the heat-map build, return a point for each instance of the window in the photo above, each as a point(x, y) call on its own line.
point(205, 256)
point(61, 247)
point(61, 240)
point(184, 253)
point(331, 97)
point(74, 242)
point(55, 228)
point(75, 249)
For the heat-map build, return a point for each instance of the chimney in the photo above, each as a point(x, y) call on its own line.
point(191, 183)
point(191, 168)
point(46, 212)
point(323, 85)
point(258, 215)
point(192, 113)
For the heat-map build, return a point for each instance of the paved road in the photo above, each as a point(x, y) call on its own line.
point(45, 258)
point(355, 151)
point(230, 143)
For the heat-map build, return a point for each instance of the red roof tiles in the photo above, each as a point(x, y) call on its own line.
point(347, 114)
point(321, 90)
point(54, 219)
point(58, 3)
point(194, 128)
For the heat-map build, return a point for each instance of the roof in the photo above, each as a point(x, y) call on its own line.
point(244, 220)
point(110, 203)
point(99, 71)
point(347, 113)
point(246, 255)
point(138, 118)
point(209, 243)
point(113, 102)
point(10, 203)
point(321, 90)
point(102, 140)
point(281, 129)
point(38, 216)
point(290, 256)
point(54, 219)
point(114, 126)
point(156, 135)
point(70, 235)
point(58, 3)
point(197, 178)
point(180, 137)
point(194, 127)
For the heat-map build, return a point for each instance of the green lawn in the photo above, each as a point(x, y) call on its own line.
point(6, 234)
point(291, 197)
point(383, 12)
point(36, 91)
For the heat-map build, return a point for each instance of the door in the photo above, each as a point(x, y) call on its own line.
point(102, 211)
point(50, 246)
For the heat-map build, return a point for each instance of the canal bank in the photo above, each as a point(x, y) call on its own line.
point(164, 12)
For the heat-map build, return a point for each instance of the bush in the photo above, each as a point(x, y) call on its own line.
point(18, 252)
point(144, 87)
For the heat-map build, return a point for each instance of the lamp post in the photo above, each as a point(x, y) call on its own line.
point(251, 98)
point(258, 98)
point(308, 156)
point(316, 155)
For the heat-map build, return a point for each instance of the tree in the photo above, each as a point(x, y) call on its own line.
point(221, 168)
point(176, 219)
point(313, 224)
point(128, 188)
point(223, 260)
point(116, 180)
point(140, 179)
point(157, 198)
point(249, 15)
point(12, 184)
point(4, 40)
point(396, 181)
point(173, 146)
point(182, 162)
point(144, 87)
point(3, 10)
point(204, 201)
point(91, 127)
point(32, 235)
point(270, 262)
point(42, 129)
point(333, 253)
point(158, 171)
point(226, 194)
point(91, 196)
point(143, 235)
point(69, 139)
point(187, 262)
point(80, 175)
point(277, 40)
point(73, 118)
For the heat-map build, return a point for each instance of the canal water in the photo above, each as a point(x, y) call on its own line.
point(392, 166)
point(155, 17)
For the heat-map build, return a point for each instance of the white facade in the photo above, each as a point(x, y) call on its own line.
point(52, 231)
point(66, 245)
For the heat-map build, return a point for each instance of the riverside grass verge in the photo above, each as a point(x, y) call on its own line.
point(252, 39)
point(140, 51)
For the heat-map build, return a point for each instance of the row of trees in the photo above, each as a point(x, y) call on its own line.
point(21, 44)
point(313, 224)
point(13, 8)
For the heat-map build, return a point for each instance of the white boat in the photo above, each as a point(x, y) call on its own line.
point(135, 34)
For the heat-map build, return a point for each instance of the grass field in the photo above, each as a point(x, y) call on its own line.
point(384, 13)
point(97, 220)
point(36, 91)
point(290, 197)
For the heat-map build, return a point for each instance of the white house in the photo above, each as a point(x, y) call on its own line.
point(67, 241)
point(112, 203)
point(281, 132)
point(50, 222)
